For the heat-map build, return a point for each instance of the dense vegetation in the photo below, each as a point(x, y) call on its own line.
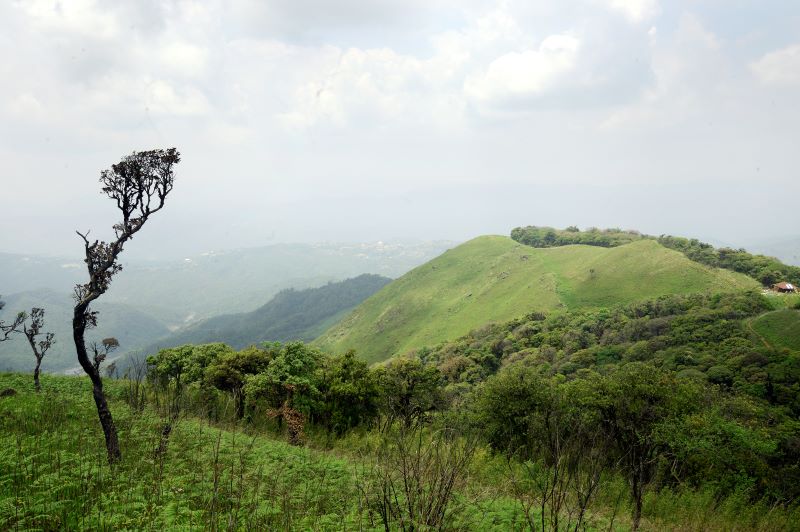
point(494, 278)
point(548, 237)
point(582, 418)
point(582, 406)
point(737, 430)
point(766, 270)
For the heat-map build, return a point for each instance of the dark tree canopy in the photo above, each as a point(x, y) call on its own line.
point(139, 185)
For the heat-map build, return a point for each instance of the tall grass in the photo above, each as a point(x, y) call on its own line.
point(220, 475)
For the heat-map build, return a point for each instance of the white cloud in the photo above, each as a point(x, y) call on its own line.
point(25, 106)
point(184, 58)
point(388, 94)
point(635, 10)
point(163, 98)
point(781, 67)
point(519, 75)
point(85, 17)
point(372, 86)
point(687, 69)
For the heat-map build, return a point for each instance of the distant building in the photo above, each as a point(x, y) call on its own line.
point(784, 287)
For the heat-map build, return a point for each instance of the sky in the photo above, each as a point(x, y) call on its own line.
point(351, 120)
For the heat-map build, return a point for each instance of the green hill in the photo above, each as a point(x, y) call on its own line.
point(494, 278)
point(780, 328)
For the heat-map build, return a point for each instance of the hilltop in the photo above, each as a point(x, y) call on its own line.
point(494, 278)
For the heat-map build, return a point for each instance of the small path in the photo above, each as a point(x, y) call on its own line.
point(752, 330)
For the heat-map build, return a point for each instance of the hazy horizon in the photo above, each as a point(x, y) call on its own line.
point(360, 121)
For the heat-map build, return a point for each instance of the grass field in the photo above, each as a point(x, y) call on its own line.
point(493, 278)
point(54, 476)
point(780, 328)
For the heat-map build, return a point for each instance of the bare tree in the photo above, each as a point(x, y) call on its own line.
point(101, 351)
point(7, 328)
point(139, 184)
point(41, 347)
point(413, 479)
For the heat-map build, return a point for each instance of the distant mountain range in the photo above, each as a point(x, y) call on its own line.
point(130, 326)
point(148, 301)
point(179, 293)
point(290, 315)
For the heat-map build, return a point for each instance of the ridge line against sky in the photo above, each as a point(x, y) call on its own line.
point(354, 120)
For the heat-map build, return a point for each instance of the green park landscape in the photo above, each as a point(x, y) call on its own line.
point(554, 380)
point(400, 266)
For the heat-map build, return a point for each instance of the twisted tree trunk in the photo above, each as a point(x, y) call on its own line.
point(103, 412)
point(36, 382)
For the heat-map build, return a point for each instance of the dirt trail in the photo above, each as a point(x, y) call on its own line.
point(752, 330)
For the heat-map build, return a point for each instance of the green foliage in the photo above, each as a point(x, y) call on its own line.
point(288, 379)
point(349, 393)
point(494, 279)
point(547, 237)
point(767, 270)
point(509, 406)
point(780, 328)
point(411, 390)
point(186, 364)
point(688, 365)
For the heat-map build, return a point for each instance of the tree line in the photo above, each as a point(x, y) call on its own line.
point(766, 270)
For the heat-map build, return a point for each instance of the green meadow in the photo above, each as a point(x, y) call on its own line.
point(494, 278)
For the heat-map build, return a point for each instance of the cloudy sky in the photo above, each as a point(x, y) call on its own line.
point(356, 120)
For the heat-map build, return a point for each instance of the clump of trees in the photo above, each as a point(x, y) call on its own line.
point(139, 185)
point(767, 270)
point(295, 384)
point(674, 391)
point(547, 237)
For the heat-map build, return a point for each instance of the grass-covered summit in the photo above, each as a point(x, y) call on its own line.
point(494, 278)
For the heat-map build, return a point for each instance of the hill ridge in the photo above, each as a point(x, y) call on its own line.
point(494, 278)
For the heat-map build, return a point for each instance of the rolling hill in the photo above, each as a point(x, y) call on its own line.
point(290, 315)
point(494, 278)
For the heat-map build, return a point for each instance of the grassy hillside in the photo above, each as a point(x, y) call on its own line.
point(780, 328)
point(212, 477)
point(494, 278)
point(216, 476)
